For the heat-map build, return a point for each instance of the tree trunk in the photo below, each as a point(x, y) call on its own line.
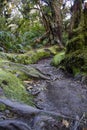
point(76, 16)
point(52, 22)
point(76, 51)
point(56, 22)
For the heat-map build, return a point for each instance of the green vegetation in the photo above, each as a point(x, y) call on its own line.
point(58, 58)
point(75, 43)
point(37, 31)
point(13, 88)
point(76, 62)
point(31, 56)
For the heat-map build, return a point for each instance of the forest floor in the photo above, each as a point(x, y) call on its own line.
point(61, 94)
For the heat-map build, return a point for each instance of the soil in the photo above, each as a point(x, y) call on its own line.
point(62, 94)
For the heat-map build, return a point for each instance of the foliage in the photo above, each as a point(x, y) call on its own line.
point(28, 37)
point(3, 25)
point(7, 40)
point(75, 43)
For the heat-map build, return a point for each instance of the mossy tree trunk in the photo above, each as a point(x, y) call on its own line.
point(78, 28)
point(52, 21)
point(76, 16)
point(85, 25)
point(76, 50)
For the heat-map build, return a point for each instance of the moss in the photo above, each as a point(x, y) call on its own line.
point(40, 54)
point(78, 37)
point(54, 49)
point(75, 43)
point(76, 62)
point(2, 107)
point(58, 58)
point(13, 87)
point(32, 56)
point(22, 76)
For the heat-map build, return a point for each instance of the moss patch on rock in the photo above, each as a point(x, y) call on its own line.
point(13, 88)
point(58, 58)
point(76, 62)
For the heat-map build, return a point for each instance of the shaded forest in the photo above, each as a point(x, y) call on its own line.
point(43, 64)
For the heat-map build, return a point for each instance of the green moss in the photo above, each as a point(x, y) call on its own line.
point(58, 58)
point(76, 62)
point(2, 107)
point(32, 56)
point(54, 49)
point(75, 43)
point(13, 87)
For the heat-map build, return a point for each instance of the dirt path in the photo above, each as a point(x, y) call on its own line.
point(62, 94)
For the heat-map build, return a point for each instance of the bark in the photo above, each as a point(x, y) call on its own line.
point(56, 22)
point(53, 23)
point(76, 16)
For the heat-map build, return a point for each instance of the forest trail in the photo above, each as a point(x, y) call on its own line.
point(62, 94)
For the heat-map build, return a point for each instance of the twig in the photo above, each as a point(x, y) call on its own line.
point(77, 122)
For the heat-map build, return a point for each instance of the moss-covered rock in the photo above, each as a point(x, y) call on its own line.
point(31, 56)
point(13, 88)
point(76, 62)
point(58, 58)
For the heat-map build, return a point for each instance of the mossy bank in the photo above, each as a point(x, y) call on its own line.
point(13, 88)
point(32, 56)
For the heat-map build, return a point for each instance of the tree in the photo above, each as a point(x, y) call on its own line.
point(52, 20)
point(75, 16)
point(76, 50)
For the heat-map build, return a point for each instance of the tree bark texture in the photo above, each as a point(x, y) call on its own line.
point(52, 22)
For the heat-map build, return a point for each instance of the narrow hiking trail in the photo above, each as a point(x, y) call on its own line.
point(61, 94)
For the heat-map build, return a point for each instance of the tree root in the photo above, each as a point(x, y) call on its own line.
point(24, 111)
point(13, 125)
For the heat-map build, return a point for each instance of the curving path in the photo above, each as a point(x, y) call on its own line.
point(61, 94)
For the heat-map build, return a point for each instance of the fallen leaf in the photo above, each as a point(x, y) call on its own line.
point(66, 123)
